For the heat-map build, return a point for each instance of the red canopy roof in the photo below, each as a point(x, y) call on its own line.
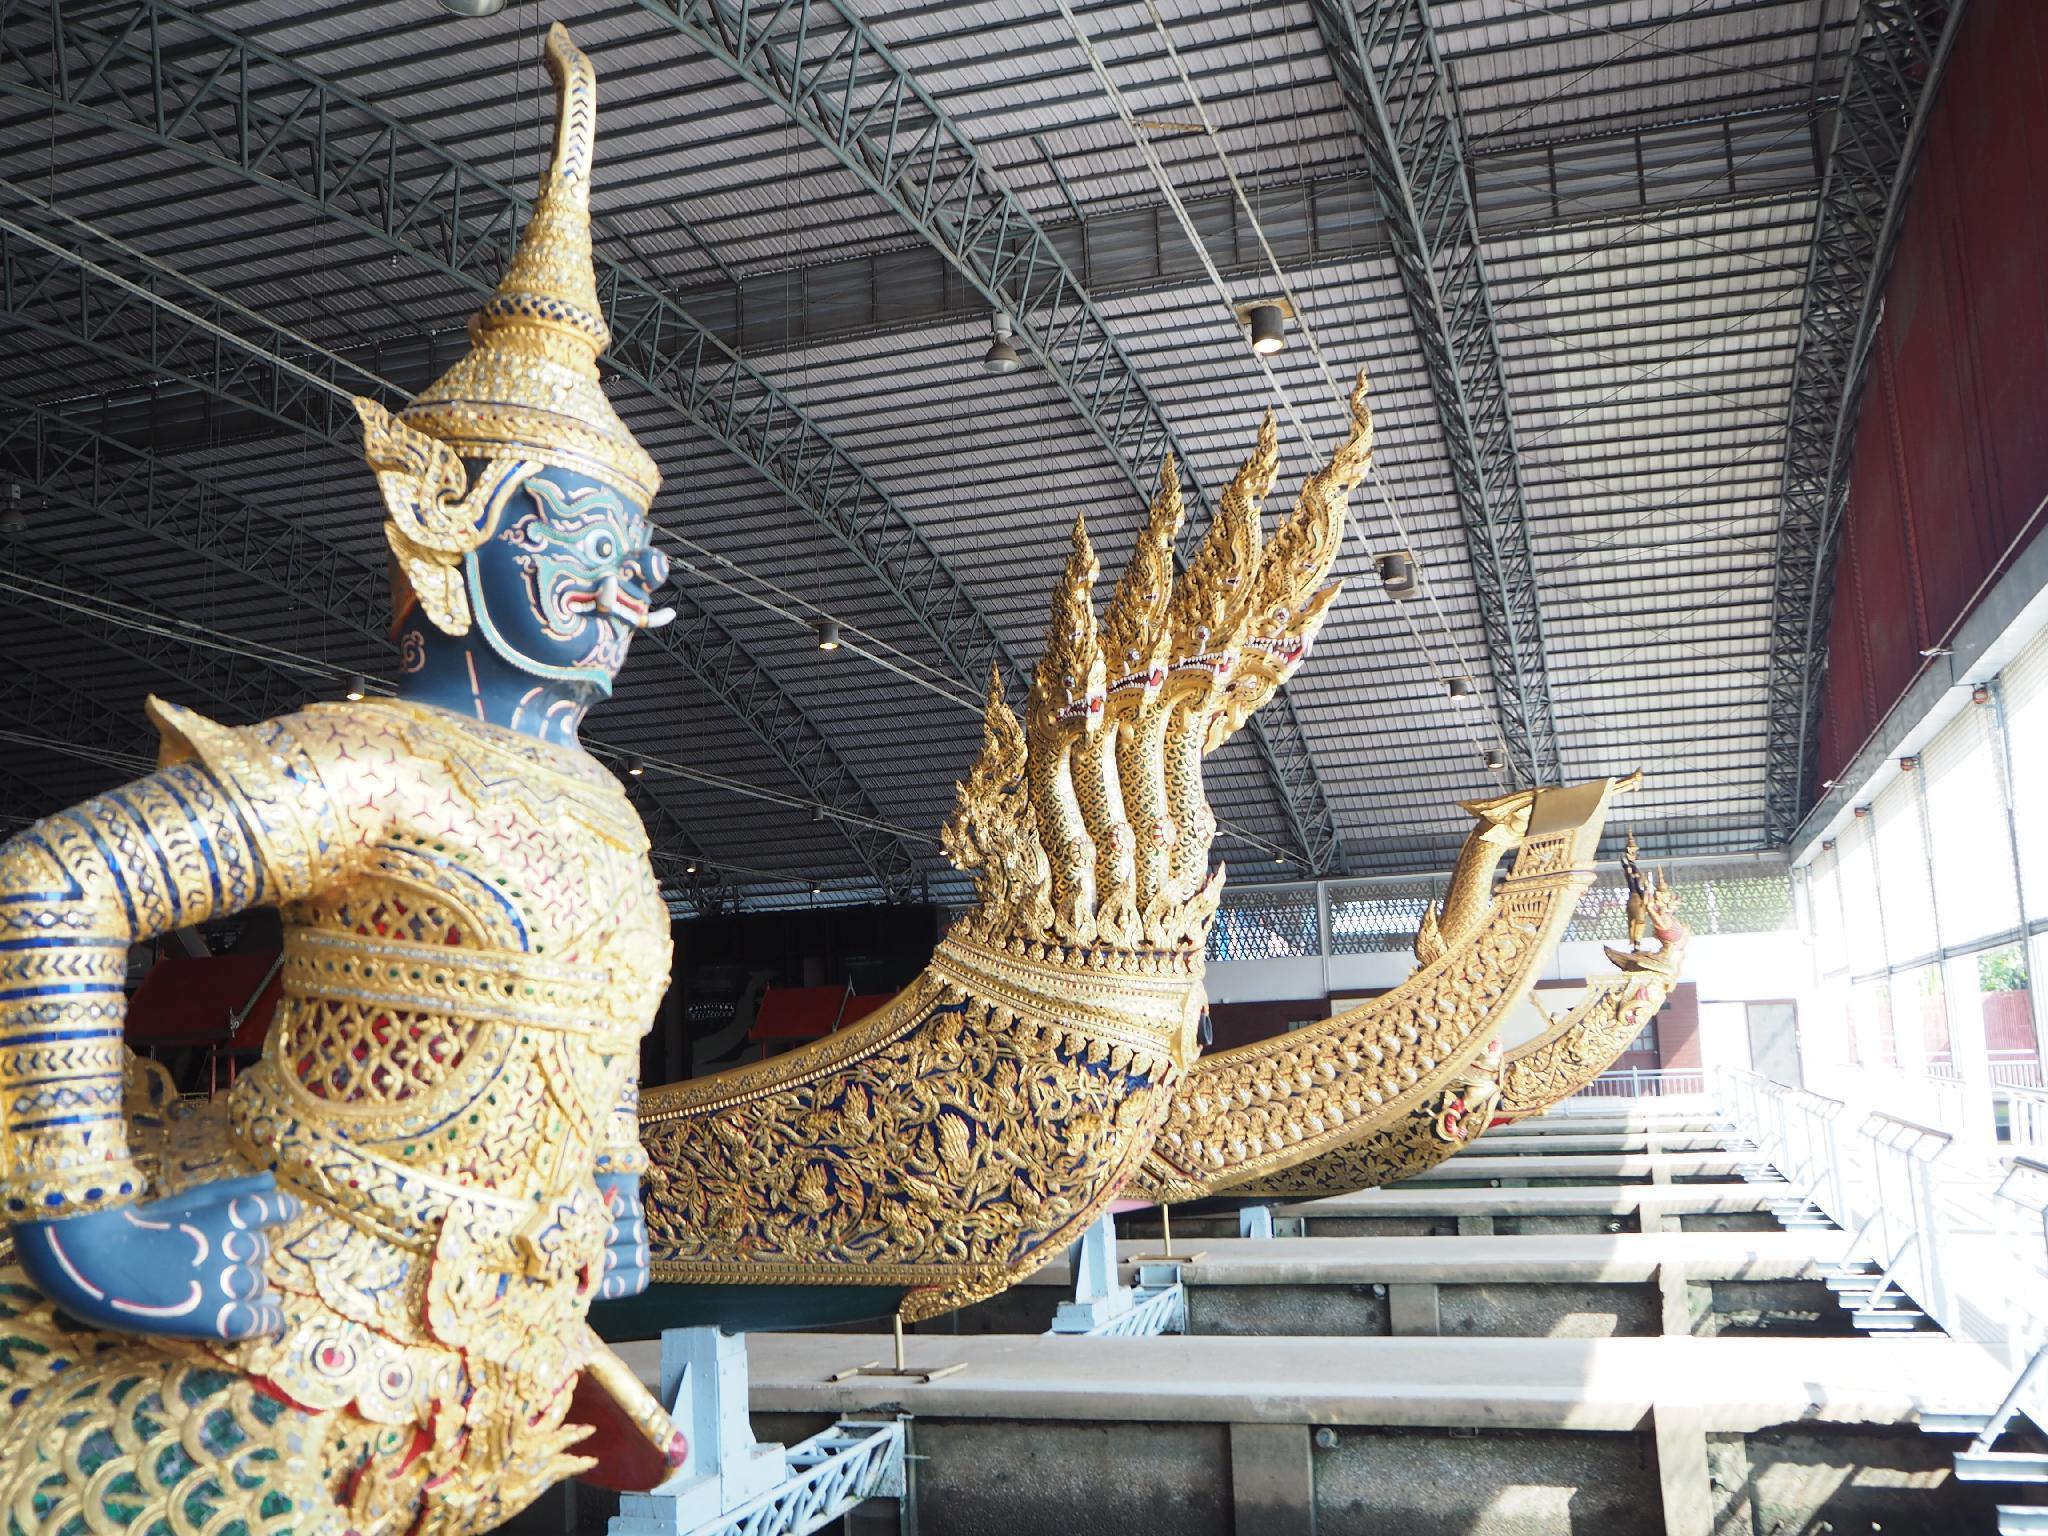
point(798, 1013)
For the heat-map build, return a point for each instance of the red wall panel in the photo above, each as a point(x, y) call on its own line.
point(1951, 457)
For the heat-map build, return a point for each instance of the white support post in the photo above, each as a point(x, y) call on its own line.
point(704, 1374)
point(1099, 1292)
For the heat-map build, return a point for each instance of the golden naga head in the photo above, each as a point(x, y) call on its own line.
point(527, 395)
point(1086, 824)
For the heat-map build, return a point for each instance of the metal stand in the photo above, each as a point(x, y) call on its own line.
point(1104, 1307)
point(876, 1368)
point(1255, 1221)
point(732, 1484)
point(1166, 1255)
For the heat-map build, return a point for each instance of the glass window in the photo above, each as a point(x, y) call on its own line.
point(1919, 1019)
point(1862, 932)
point(1824, 902)
point(1870, 1024)
point(1975, 894)
point(2023, 688)
point(1905, 886)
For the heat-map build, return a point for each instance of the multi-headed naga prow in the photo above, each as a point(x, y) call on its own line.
point(1087, 826)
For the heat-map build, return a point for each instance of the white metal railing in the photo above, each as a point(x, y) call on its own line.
point(1643, 1083)
point(2016, 1071)
point(2026, 1122)
point(1945, 1221)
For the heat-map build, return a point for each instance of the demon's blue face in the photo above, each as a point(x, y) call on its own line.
point(566, 577)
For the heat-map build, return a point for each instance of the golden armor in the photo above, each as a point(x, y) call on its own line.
point(474, 944)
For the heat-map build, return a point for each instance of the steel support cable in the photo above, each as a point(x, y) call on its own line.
point(70, 463)
point(134, 614)
point(712, 655)
point(224, 101)
point(1415, 156)
point(1341, 397)
point(1895, 65)
point(898, 661)
point(810, 57)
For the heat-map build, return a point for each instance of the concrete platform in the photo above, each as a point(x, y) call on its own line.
point(1628, 1256)
point(1707, 1284)
point(1448, 1211)
point(1506, 1143)
point(1576, 1384)
point(1583, 1168)
point(1620, 1122)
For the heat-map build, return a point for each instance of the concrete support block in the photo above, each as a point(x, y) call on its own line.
point(1412, 1311)
point(1680, 1431)
point(1659, 1173)
point(1272, 1483)
point(1475, 1226)
point(1676, 1299)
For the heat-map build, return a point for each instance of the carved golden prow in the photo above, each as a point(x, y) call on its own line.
point(1411, 1069)
point(954, 1141)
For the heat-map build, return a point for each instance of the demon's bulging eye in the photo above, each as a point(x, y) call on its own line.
point(601, 546)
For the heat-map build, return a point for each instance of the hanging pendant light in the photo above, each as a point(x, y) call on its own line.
point(1000, 357)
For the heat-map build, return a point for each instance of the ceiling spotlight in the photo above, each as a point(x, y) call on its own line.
point(1265, 322)
point(690, 868)
point(1397, 575)
point(13, 517)
point(1980, 695)
point(1269, 329)
point(635, 767)
point(1000, 357)
point(1459, 688)
point(1495, 760)
point(817, 889)
point(472, 8)
point(357, 689)
point(828, 634)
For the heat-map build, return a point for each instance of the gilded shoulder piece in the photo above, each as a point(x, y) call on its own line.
point(275, 773)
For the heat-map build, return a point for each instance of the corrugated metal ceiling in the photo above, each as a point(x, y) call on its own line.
point(1647, 289)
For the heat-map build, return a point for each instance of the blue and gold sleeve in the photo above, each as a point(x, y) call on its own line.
point(76, 889)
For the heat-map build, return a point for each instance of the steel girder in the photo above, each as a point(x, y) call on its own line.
point(238, 688)
point(1894, 67)
point(64, 712)
point(819, 62)
point(154, 325)
point(1401, 102)
point(155, 71)
point(70, 463)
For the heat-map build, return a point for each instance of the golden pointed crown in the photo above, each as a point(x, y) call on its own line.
point(528, 389)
